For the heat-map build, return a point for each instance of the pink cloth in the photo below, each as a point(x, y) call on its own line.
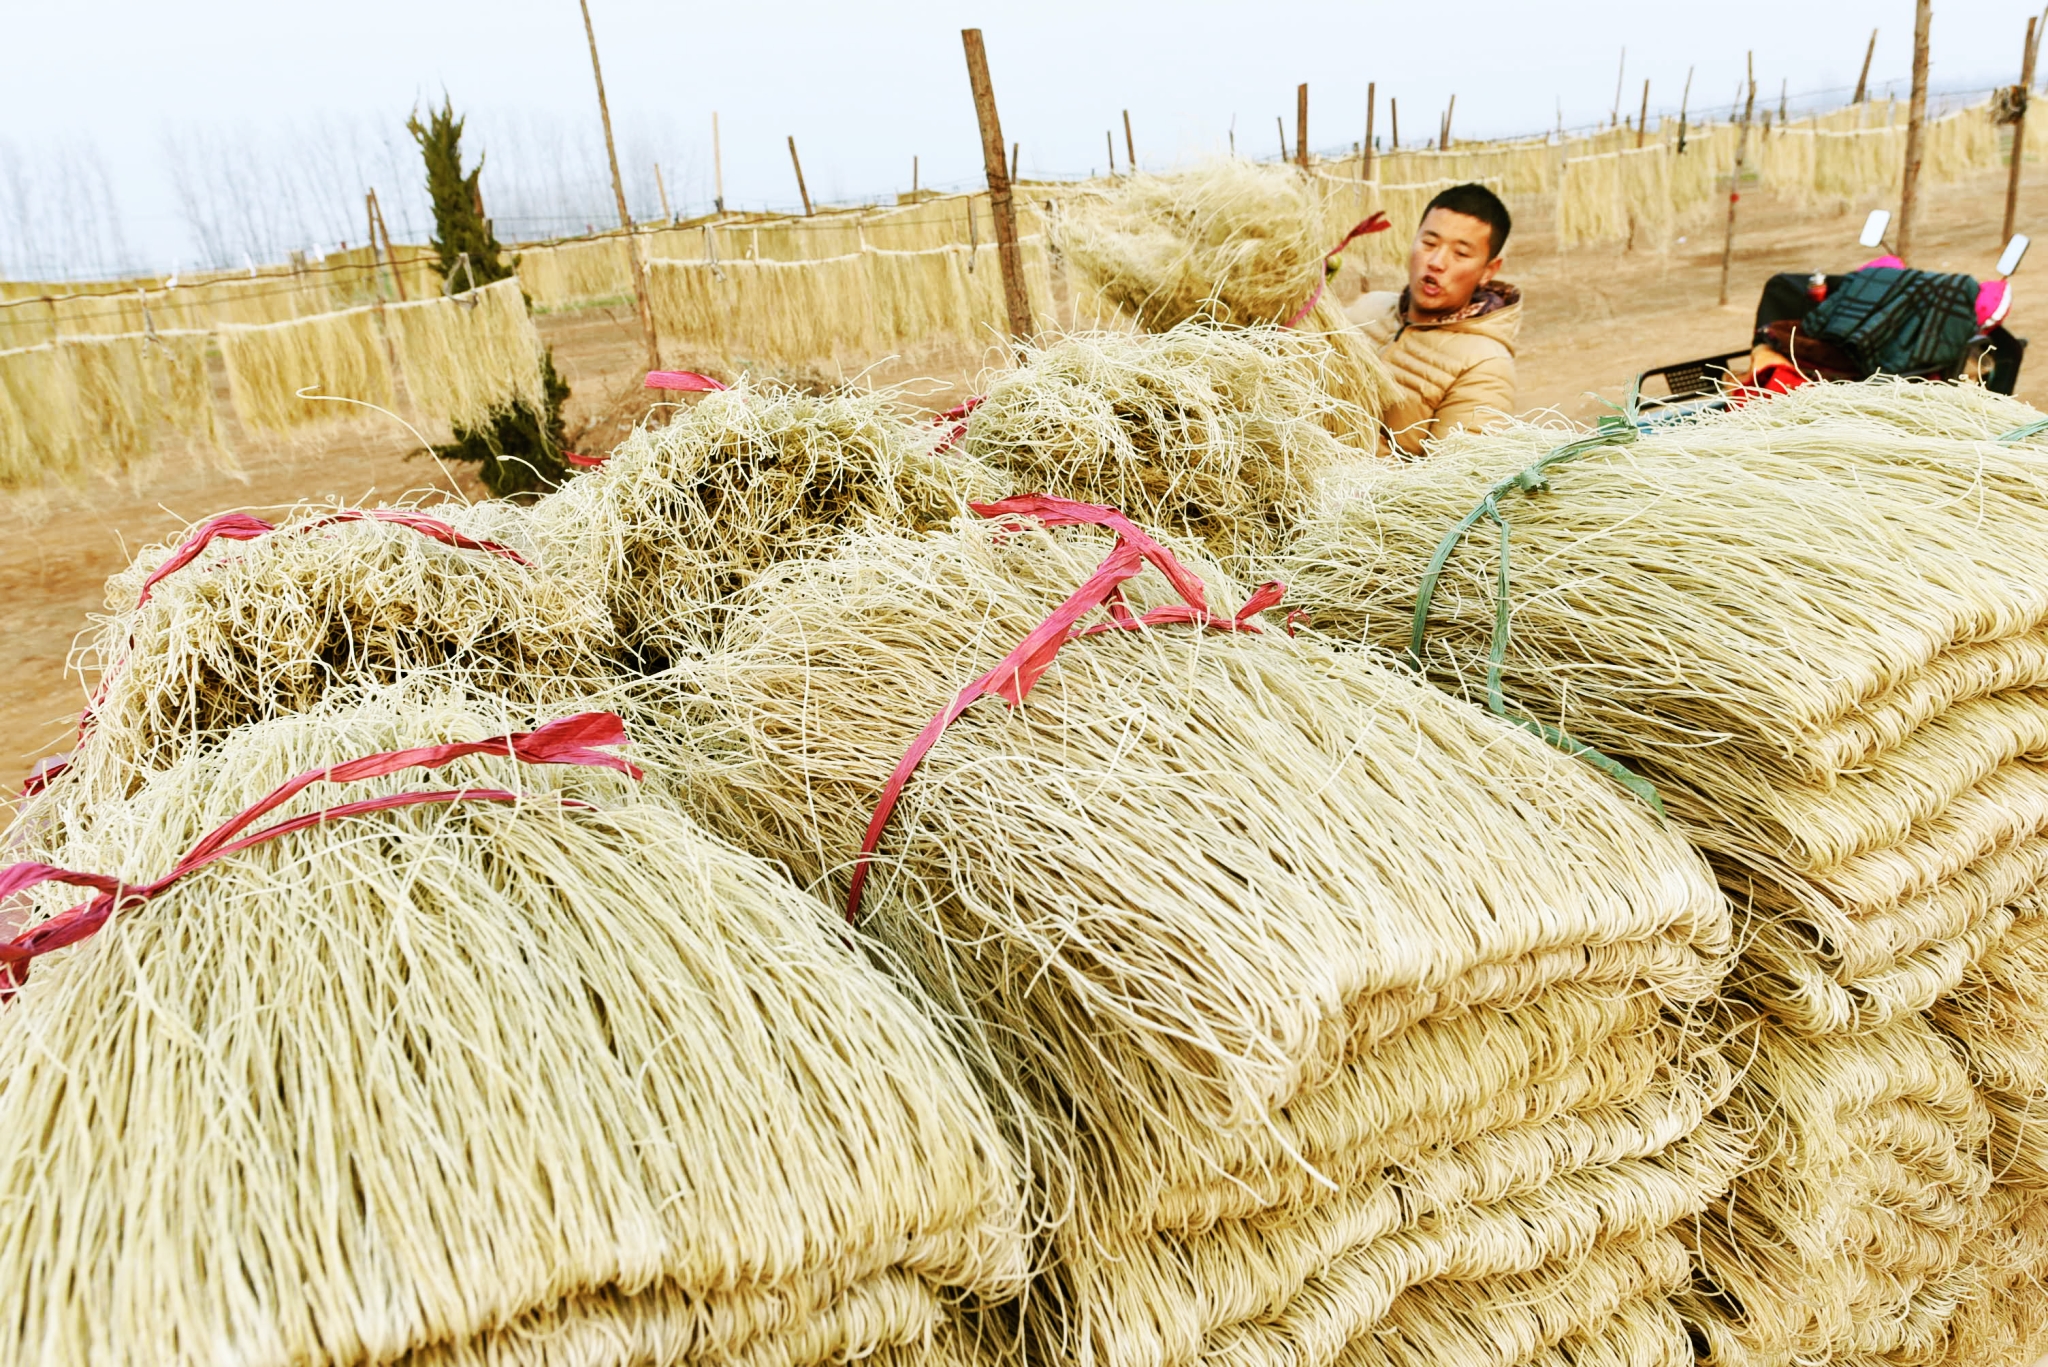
point(1994, 297)
point(1892, 262)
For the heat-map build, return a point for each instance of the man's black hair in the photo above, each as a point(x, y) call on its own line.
point(1476, 201)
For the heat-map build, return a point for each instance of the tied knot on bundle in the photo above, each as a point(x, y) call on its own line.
point(1332, 263)
point(579, 740)
point(1014, 675)
point(1612, 430)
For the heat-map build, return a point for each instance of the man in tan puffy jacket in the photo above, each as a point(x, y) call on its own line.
point(1449, 338)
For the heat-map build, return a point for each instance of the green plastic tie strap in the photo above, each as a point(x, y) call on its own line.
point(1612, 431)
point(2026, 432)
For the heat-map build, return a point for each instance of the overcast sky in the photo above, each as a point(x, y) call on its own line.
point(862, 87)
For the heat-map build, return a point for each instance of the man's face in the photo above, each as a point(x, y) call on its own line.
point(1452, 257)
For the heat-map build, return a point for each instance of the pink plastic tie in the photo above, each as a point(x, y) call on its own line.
point(1013, 677)
point(572, 740)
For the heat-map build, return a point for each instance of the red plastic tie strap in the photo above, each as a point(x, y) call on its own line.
point(957, 415)
point(572, 740)
point(45, 772)
point(1013, 677)
point(587, 462)
point(242, 527)
point(1376, 224)
point(689, 381)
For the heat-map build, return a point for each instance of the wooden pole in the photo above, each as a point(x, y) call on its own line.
point(1783, 118)
point(1280, 127)
point(390, 256)
point(1916, 123)
point(1863, 77)
point(913, 179)
point(1301, 125)
point(611, 152)
point(1394, 118)
point(1643, 118)
point(370, 217)
point(1109, 141)
point(717, 166)
point(390, 252)
point(661, 186)
point(1444, 143)
point(604, 110)
point(2019, 133)
point(1016, 151)
point(1683, 101)
point(1372, 104)
point(805, 193)
point(1621, 71)
point(1735, 181)
point(1130, 148)
point(1001, 209)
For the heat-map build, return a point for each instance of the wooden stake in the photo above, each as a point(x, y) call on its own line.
point(1001, 209)
point(799, 176)
point(611, 151)
point(604, 110)
point(1444, 142)
point(1109, 141)
point(1783, 118)
point(1863, 78)
point(1016, 151)
point(390, 256)
point(1301, 125)
point(2019, 133)
point(1372, 104)
point(662, 186)
point(1916, 124)
point(1643, 118)
point(1735, 181)
point(1130, 148)
point(913, 180)
point(717, 165)
point(370, 216)
point(1280, 127)
point(1394, 118)
point(1684, 100)
point(1621, 71)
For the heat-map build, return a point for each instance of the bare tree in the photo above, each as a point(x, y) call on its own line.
point(59, 218)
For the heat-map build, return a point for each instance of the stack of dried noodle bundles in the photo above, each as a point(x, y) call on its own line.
point(1824, 639)
point(681, 517)
point(1998, 1021)
point(1862, 1232)
point(1234, 242)
point(1337, 1013)
point(1208, 433)
point(1965, 412)
point(468, 356)
point(545, 1074)
point(337, 355)
point(235, 622)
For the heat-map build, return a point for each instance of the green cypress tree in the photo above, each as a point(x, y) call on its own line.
point(458, 226)
point(518, 451)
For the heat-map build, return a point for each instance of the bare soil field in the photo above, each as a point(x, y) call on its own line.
point(1593, 320)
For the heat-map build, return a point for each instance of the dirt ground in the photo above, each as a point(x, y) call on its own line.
point(1594, 318)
